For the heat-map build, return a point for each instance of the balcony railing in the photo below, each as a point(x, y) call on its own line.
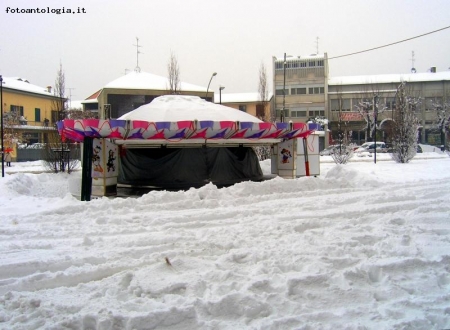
point(28, 124)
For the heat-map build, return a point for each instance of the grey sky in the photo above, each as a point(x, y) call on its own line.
point(230, 37)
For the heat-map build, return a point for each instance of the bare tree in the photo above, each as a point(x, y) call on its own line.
point(59, 102)
point(263, 102)
point(263, 152)
point(174, 75)
point(341, 152)
point(57, 155)
point(406, 124)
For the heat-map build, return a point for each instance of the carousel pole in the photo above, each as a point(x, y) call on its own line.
point(1, 120)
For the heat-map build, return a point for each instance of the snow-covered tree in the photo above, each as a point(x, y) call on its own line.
point(405, 127)
point(342, 152)
point(369, 108)
point(442, 121)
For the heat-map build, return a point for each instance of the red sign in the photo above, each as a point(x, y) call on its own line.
point(351, 116)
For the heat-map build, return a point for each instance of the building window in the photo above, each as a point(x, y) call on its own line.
point(243, 107)
point(316, 90)
point(279, 92)
point(260, 113)
point(298, 91)
point(390, 103)
point(433, 103)
point(311, 63)
point(37, 114)
point(316, 113)
point(298, 113)
point(16, 109)
point(320, 63)
point(344, 105)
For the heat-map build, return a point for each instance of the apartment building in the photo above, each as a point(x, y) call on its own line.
point(27, 110)
point(300, 87)
point(304, 90)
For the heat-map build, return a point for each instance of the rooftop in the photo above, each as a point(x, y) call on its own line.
point(389, 78)
point(21, 84)
point(145, 80)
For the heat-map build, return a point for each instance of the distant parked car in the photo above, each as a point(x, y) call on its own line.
point(329, 150)
point(36, 146)
point(368, 148)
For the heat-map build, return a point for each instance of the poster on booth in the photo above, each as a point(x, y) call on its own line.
point(286, 155)
point(104, 159)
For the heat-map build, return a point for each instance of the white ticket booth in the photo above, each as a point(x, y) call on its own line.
point(297, 157)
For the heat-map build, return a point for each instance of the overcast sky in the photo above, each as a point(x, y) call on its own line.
point(230, 37)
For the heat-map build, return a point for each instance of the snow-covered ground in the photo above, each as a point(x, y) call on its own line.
point(362, 246)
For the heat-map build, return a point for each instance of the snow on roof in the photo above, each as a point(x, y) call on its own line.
point(145, 80)
point(389, 78)
point(179, 108)
point(24, 85)
point(239, 97)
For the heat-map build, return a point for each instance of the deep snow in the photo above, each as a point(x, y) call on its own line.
point(362, 246)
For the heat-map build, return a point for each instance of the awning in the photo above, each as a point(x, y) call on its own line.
point(143, 133)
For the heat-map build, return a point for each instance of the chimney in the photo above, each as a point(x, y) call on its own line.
point(49, 89)
point(433, 69)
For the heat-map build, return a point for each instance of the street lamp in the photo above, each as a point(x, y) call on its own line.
point(220, 93)
point(1, 120)
point(375, 118)
point(214, 74)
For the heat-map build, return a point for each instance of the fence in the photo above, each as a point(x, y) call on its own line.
point(28, 155)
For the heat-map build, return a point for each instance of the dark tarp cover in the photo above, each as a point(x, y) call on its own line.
point(178, 168)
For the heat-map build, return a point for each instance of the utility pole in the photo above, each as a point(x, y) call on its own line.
point(375, 117)
point(284, 89)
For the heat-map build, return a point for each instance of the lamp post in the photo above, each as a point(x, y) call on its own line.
point(375, 118)
point(284, 89)
point(1, 120)
point(221, 88)
point(206, 97)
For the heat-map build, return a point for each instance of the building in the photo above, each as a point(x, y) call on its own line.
point(300, 87)
point(345, 93)
point(250, 103)
point(304, 91)
point(134, 89)
point(27, 111)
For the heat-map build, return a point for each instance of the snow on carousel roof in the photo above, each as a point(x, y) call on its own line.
point(180, 107)
point(145, 80)
point(183, 121)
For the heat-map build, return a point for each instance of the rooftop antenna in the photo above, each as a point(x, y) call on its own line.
point(137, 69)
point(317, 45)
point(70, 97)
point(413, 69)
